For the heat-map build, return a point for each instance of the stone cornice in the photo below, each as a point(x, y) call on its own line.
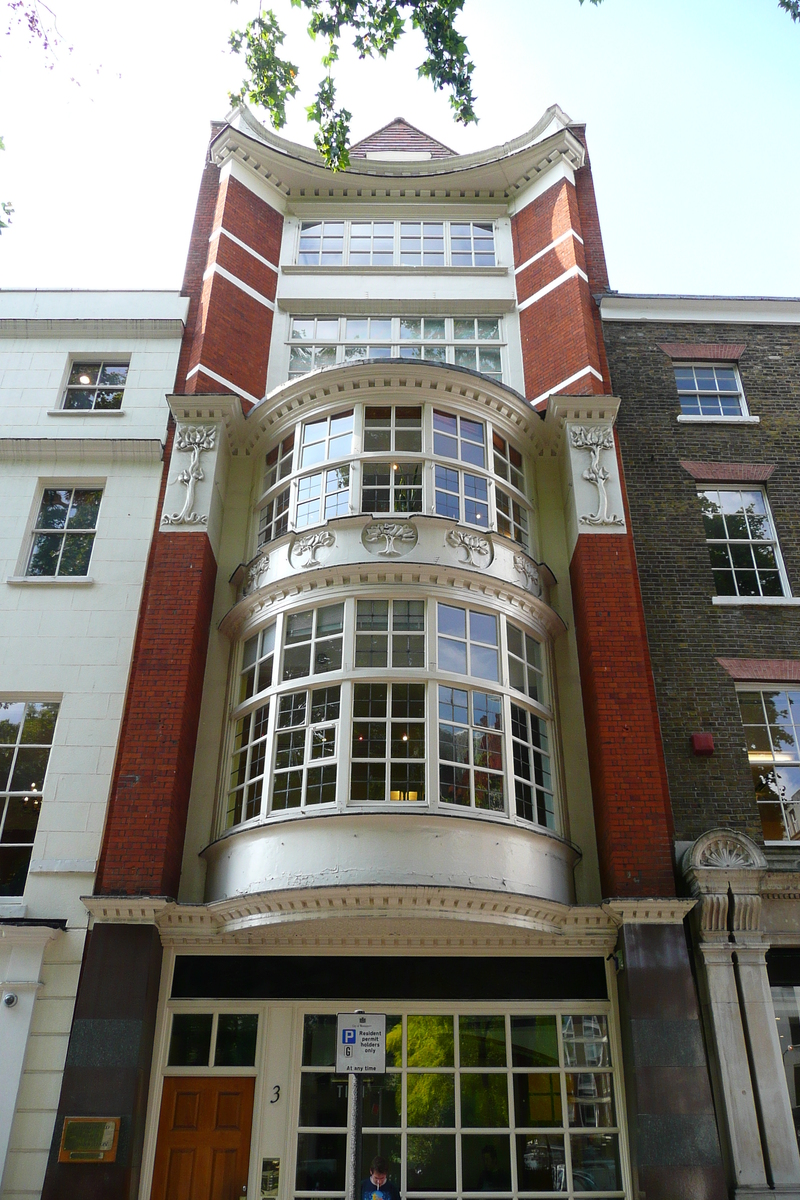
point(563, 409)
point(653, 911)
point(348, 916)
point(290, 169)
point(81, 450)
point(74, 328)
point(460, 581)
point(411, 381)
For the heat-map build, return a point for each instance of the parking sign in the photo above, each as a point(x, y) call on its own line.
point(361, 1043)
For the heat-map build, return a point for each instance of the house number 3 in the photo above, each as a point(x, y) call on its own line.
point(276, 1094)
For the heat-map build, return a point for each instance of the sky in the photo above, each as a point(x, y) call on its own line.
point(691, 108)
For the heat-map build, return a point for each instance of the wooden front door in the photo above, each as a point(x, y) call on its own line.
point(203, 1150)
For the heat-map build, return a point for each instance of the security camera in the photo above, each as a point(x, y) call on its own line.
point(10, 999)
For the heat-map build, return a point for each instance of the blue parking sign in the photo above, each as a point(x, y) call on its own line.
point(349, 1037)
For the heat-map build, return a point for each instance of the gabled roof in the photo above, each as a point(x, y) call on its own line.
point(400, 138)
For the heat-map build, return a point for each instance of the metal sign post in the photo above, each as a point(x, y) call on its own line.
point(360, 1050)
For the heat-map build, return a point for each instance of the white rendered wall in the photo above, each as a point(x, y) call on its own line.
point(72, 641)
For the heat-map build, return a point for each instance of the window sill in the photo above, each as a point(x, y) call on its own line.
point(756, 601)
point(86, 412)
point(787, 843)
point(50, 581)
point(690, 419)
point(399, 269)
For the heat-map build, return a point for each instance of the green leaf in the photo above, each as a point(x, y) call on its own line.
point(271, 79)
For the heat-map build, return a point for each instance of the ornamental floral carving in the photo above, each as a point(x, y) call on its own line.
point(310, 546)
point(258, 567)
point(596, 439)
point(474, 549)
point(389, 539)
point(194, 440)
point(529, 572)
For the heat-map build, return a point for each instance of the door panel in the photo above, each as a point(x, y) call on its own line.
point(203, 1149)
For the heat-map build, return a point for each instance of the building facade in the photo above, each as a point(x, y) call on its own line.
point(391, 738)
point(708, 431)
point(82, 384)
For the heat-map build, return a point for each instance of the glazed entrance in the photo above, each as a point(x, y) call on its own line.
point(472, 1104)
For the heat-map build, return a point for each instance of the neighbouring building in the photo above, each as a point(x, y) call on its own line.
point(82, 424)
point(708, 427)
point(391, 739)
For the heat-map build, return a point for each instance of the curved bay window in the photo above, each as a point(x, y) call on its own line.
point(404, 459)
point(390, 702)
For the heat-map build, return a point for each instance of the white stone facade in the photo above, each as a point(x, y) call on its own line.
point(69, 640)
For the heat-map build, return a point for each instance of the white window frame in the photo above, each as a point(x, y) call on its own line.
point(357, 458)
point(737, 597)
point(397, 264)
point(790, 809)
point(90, 360)
point(743, 417)
point(72, 485)
point(431, 676)
point(345, 350)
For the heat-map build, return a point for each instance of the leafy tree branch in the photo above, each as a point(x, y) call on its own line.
point(375, 26)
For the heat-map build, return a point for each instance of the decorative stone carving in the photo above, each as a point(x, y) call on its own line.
point(258, 567)
point(723, 849)
point(596, 439)
point(195, 440)
point(398, 538)
point(476, 550)
point(310, 546)
point(531, 580)
point(713, 913)
point(746, 913)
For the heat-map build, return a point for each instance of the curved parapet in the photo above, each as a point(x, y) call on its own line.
point(391, 849)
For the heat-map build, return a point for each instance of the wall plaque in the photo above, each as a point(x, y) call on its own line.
point(89, 1140)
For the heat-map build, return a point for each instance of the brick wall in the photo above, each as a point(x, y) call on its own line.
point(686, 632)
point(230, 327)
point(629, 789)
point(558, 330)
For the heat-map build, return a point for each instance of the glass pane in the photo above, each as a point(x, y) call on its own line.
point(431, 1165)
point(319, 1040)
point(54, 508)
point(482, 1041)
point(537, 1099)
point(394, 1041)
point(14, 862)
point(380, 1158)
point(381, 1101)
point(29, 770)
point(85, 373)
point(40, 722)
point(484, 1101)
point(430, 1041)
point(486, 1163)
point(190, 1042)
point(44, 554)
point(76, 554)
point(11, 714)
point(323, 1100)
point(236, 1040)
point(84, 508)
point(22, 817)
point(431, 1101)
point(541, 1164)
point(321, 1162)
point(534, 1042)
point(585, 1041)
point(589, 1100)
point(595, 1163)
